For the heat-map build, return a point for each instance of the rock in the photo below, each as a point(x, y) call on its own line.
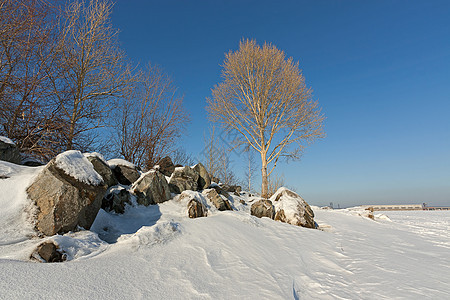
point(204, 180)
point(126, 175)
point(215, 179)
point(195, 205)
point(48, 252)
point(291, 208)
point(219, 190)
point(183, 178)
point(242, 201)
point(9, 151)
point(65, 202)
point(220, 203)
point(166, 166)
point(196, 209)
point(104, 170)
point(115, 200)
point(236, 189)
point(151, 188)
point(262, 208)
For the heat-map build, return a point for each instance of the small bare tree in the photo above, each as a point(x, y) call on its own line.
point(90, 72)
point(211, 152)
point(250, 171)
point(217, 159)
point(180, 157)
point(152, 117)
point(275, 181)
point(264, 103)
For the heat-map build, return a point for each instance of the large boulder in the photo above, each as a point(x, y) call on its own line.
point(125, 172)
point(68, 194)
point(102, 168)
point(195, 207)
point(220, 203)
point(204, 180)
point(115, 200)
point(291, 208)
point(151, 188)
point(166, 166)
point(183, 178)
point(9, 151)
point(262, 208)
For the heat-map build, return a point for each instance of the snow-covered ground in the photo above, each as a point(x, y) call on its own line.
point(156, 252)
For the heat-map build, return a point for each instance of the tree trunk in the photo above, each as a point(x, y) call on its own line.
point(265, 181)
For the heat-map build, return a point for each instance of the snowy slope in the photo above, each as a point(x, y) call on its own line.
point(156, 252)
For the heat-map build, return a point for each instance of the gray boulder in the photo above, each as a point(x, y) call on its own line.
point(204, 180)
point(104, 170)
point(115, 200)
point(9, 151)
point(262, 208)
point(220, 190)
point(151, 188)
point(166, 166)
point(291, 208)
point(126, 175)
point(63, 201)
point(183, 178)
point(220, 203)
point(236, 189)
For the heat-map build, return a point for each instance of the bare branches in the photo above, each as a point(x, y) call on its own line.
point(151, 118)
point(91, 70)
point(263, 97)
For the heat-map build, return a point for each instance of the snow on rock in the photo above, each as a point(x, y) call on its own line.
point(6, 140)
point(120, 162)
point(75, 164)
point(291, 208)
point(95, 154)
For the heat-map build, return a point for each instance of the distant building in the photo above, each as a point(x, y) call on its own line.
point(378, 207)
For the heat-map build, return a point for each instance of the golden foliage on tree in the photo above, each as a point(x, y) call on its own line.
point(264, 104)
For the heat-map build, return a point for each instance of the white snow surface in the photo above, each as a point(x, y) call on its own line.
point(6, 140)
point(75, 164)
point(120, 162)
point(157, 252)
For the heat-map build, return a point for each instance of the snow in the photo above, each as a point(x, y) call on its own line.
point(157, 252)
point(290, 205)
point(6, 140)
point(120, 162)
point(75, 164)
point(96, 154)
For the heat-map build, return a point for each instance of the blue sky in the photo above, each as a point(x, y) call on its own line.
point(379, 69)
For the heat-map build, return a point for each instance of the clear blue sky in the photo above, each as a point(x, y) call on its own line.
point(380, 70)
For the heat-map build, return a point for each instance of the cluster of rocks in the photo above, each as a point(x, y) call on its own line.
point(65, 203)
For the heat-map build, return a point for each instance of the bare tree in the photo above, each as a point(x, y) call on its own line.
point(181, 157)
point(211, 152)
point(27, 40)
point(264, 103)
point(250, 171)
point(275, 181)
point(152, 117)
point(217, 159)
point(90, 73)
